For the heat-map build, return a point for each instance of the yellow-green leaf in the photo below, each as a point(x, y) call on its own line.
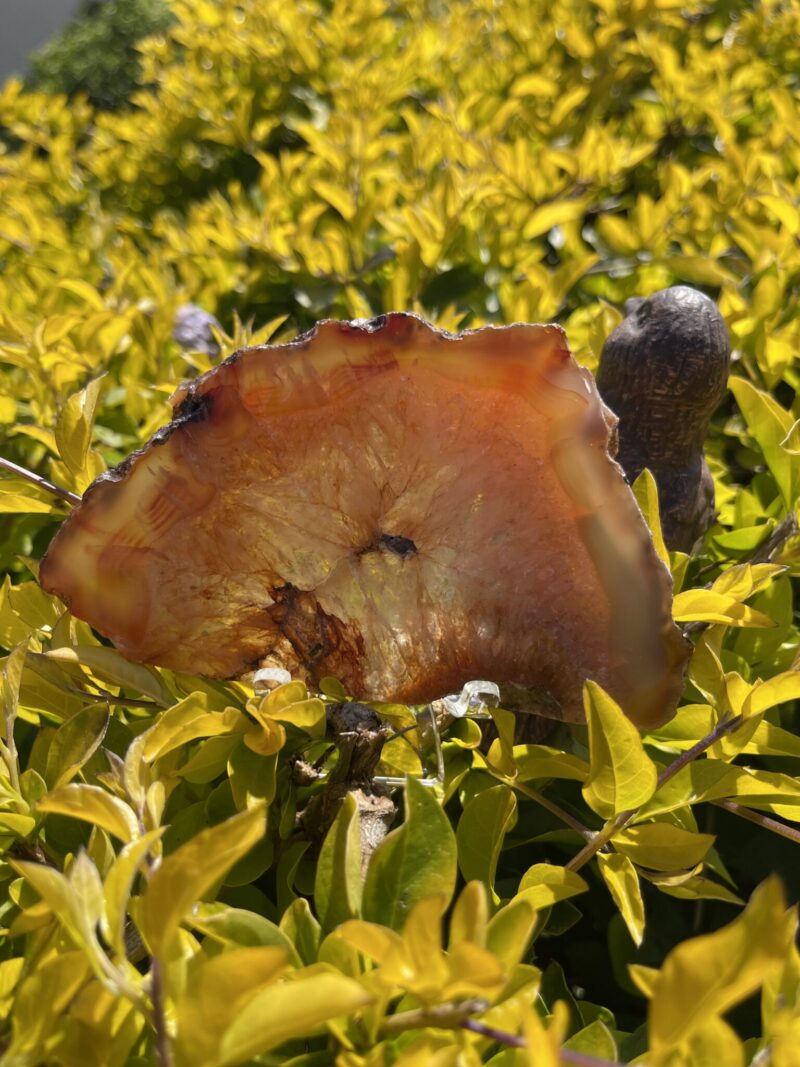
point(544, 884)
point(74, 742)
point(217, 991)
point(412, 862)
point(94, 805)
point(661, 846)
point(19, 504)
point(337, 886)
point(621, 774)
point(705, 976)
point(705, 605)
point(189, 872)
point(186, 721)
point(117, 888)
point(770, 424)
point(74, 426)
point(290, 1009)
point(109, 665)
point(541, 761)
point(482, 828)
point(622, 881)
point(646, 492)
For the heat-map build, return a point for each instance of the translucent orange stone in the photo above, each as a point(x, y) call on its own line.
point(398, 507)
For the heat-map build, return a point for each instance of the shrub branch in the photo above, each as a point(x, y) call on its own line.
point(759, 819)
point(723, 727)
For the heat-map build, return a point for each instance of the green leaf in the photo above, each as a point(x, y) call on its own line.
point(337, 886)
point(20, 504)
point(110, 666)
point(661, 846)
point(704, 977)
point(75, 742)
point(217, 991)
point(289, 1010)
point(118, 885)
point(190, 871)
point(74, 426)
point(187, 721)
point(646, 492)
point(412, 862)
point(705, 605)
point(770, 424)
point(540, 761)
point(482, 828)
point(94, 805)
point(594, 1040)
point(621, 774)
point(74, 900)
point(238, 928)
point(620, 876)
point(545, 884)
point(511, 929)
point(301, 929)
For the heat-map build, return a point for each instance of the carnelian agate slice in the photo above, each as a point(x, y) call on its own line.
point(398, 507)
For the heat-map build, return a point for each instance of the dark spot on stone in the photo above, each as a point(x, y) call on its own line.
point(193, 408)
point(403, 547)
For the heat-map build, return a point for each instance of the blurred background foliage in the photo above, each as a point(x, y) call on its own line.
point(96, 54)
point(477, 161)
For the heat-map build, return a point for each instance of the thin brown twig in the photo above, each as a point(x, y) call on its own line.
point(38, 480)
point(725, 726)
point(763, 553)
point(759, 819)
point(565, 1055)
point(159, 1016)
point(448, 1016)
point(106, 698)
point(555, 809)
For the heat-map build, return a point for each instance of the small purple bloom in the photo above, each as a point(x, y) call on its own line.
point(192, 329)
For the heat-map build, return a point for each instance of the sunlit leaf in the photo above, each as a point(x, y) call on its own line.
point(707, 975)
point(74, 742)
point(481, 831)
point(620, 876)
point(337, 886)
point(95, 805)
point(412, 862)
point(621, 775)
point(185, 875)
point(74, 426)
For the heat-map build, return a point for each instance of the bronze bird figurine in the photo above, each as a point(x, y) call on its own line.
point(663, 372)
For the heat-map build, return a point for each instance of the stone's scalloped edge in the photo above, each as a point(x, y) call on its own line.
point(193, 403)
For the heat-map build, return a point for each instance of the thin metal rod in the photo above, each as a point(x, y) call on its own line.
point(555, 809)
point(37, 479)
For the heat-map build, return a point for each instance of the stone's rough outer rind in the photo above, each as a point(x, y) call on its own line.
point(398, 507)
point(663, 372)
